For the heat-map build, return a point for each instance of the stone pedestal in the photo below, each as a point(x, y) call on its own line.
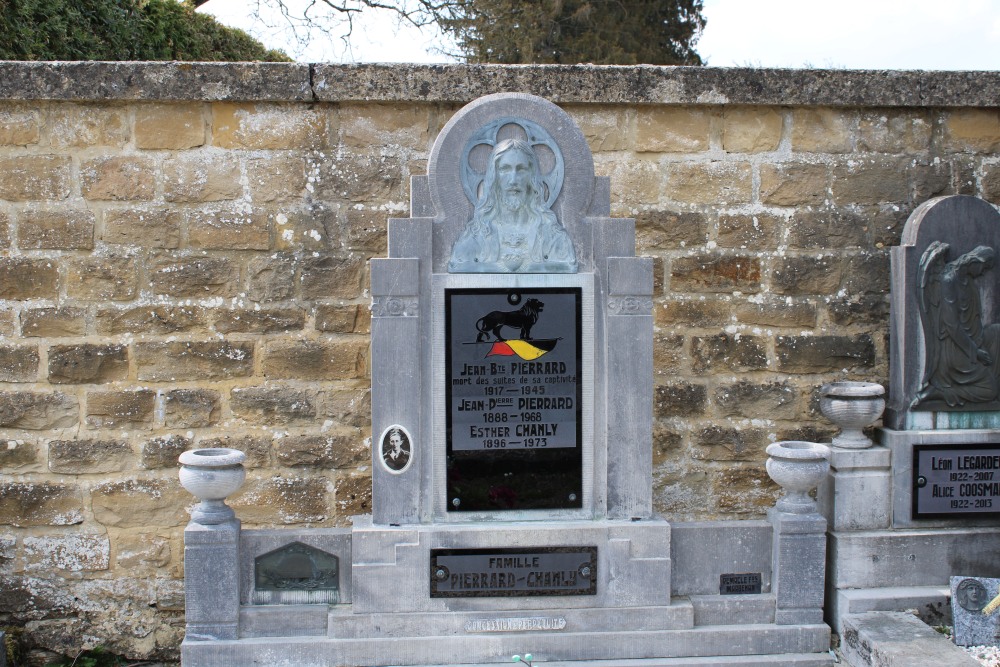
point(857, 494)
point(799, 562)
point(212, 581)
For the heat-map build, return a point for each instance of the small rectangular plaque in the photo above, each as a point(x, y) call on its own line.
point(743, 583)
point(956, 481)
point(513, 572)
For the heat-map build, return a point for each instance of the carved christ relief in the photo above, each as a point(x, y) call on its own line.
point(962, 350)
point(513, 228)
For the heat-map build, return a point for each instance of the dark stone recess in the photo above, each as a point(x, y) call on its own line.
point(457, 83)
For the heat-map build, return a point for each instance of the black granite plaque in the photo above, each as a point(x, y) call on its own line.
point(956, 481)
point(743, 583)
point(513, 572)
point(513, 397)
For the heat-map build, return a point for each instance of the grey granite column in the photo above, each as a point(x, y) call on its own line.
point(629, 344)
point(211, 580)
point(798, 560)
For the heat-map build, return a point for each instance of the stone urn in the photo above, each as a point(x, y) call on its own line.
point(210, 475)
point(852, 406)
point(798, 467)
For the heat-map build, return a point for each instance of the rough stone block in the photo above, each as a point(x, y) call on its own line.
point(751, 400)
point(284, 500)
point(314, 228)
point(741, 490)
point(809, 274)
point(715, 273)
point(277, 178)
point(316, 360)
point(194, 360)
point(820, 130)
point(679, 400)
point(709, 182)
point(87, 363)
point(5, 228)
point(201, 177)
point(120, 409)
point(84, 125)
point(23, 278)
point(273, 405)
point(730, 352)
point(756, 232)
point(88, 456)
point(140, 503)
point(151, 320)
point(871, 181)
point(672, 130)
point(658, 229)
point(695, 313)
point(824, 354)
point(19, 126)
point(193, 276)
point(895, 131)
point(350, 318)
point(18, 363)
point(17, 454)
point(794, 184)
point(352, 496)
point(163, 451)
point(668, 354)
point(344, 449)
point(976, 130)
point(770, 314)
point(36, 411)
point(864, 310)
point(98, 278)
point(229, 230)
point(35, 177)
point(56, 229)
point(358, 176)
point(751, 129)
point(602, 125)
point(827, 229)
point(263, 321)
point(333, 276)
point(366, 230)
point(8, 322)
point(716, 443)
point(191, 408)
point(27, 504)
point(142, 551)
point(118, 178)
point(53, 322)
point(349, 405)
point(72, 553)
point(271, 278)
point(145, 227)
point(267, 126)
point(169, 126)
point(640, 179)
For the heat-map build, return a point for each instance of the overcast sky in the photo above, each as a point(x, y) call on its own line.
point(853, 34)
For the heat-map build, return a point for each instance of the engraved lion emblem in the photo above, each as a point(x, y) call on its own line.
point(524, 318)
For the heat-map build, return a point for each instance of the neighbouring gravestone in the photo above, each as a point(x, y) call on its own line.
point(930, 488)
point(975, 611)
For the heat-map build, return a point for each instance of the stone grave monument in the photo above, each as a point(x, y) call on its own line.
point(512, 424)
point(923, 504)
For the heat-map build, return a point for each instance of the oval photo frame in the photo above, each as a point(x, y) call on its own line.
point(395, 449)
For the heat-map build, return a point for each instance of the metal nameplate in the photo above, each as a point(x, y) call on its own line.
point(956, 481)
point(513, 572)
point(744, 583)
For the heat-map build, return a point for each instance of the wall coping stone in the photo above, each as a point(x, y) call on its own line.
point(459, 83)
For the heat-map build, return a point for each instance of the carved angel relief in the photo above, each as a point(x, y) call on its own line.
point(962, 350)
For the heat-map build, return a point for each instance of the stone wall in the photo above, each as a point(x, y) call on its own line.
point(183, 263)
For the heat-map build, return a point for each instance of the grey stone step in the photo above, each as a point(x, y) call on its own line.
point(731, 640)
point(897, 639)
point(774, 660)
point(932, 603)
point(732, 609)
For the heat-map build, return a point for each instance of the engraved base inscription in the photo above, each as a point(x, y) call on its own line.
point(524, 624)
point(513, 572)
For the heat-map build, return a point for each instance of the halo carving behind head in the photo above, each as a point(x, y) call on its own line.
point(475, 156)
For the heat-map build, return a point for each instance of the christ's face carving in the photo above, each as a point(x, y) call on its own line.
point(514, 176)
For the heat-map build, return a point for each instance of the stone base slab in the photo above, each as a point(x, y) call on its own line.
point(886, 639)
point(932, 603)
point(546, 647)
